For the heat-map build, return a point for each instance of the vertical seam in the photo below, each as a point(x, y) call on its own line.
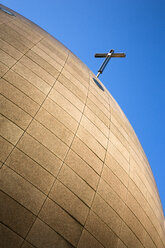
point(99, 179)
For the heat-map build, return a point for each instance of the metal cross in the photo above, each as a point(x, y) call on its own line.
point(107, 57)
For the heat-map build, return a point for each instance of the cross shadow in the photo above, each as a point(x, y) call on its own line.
point(98, 84)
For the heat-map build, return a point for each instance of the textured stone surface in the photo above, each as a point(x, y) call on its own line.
point(73, 173)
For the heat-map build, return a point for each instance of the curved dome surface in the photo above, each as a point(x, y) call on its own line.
point(73, 173)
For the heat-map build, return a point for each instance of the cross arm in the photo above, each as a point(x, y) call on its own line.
point(114, 55)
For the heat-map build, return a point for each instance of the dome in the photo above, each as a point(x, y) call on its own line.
point(73, 173)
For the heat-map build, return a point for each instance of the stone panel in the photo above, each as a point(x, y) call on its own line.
point(116, 169)
point(118, 156)
point(26, 87)
point(27, 245)
point(44, 60)
point(69, 201)
point(15, 216)
point(96, 121)
point(52, 49)
point(82, 169)
point(24, 192)
point(114, 183)
point(100, 230)
point(91, 128)
point(29, 169)
point(40, 154)
point(3, 69)
point(69, 95)
point(5, 150)
point(48, 139)
point(55, 126)
point(9, 130)
point(13, 38)
point(107, 214)
point(30, 76)
point(71, 180)
point(61, 222)
point(38, 70)
point(91, 142)
point(9, 238)
point(24, 31)
point(14, 113)
point(41, 235)
point(86, 154)
point(129, 238)
point(74, 88)
point(114, 200)
point(18, 97)
point(65, 104)
point(74, 80)
point(7, 59)
point(93, 107)
point(60, 114)
point(88, 241)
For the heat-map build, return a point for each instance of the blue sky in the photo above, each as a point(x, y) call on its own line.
point(136, 82)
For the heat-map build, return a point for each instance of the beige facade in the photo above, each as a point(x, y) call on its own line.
point(73, 173)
